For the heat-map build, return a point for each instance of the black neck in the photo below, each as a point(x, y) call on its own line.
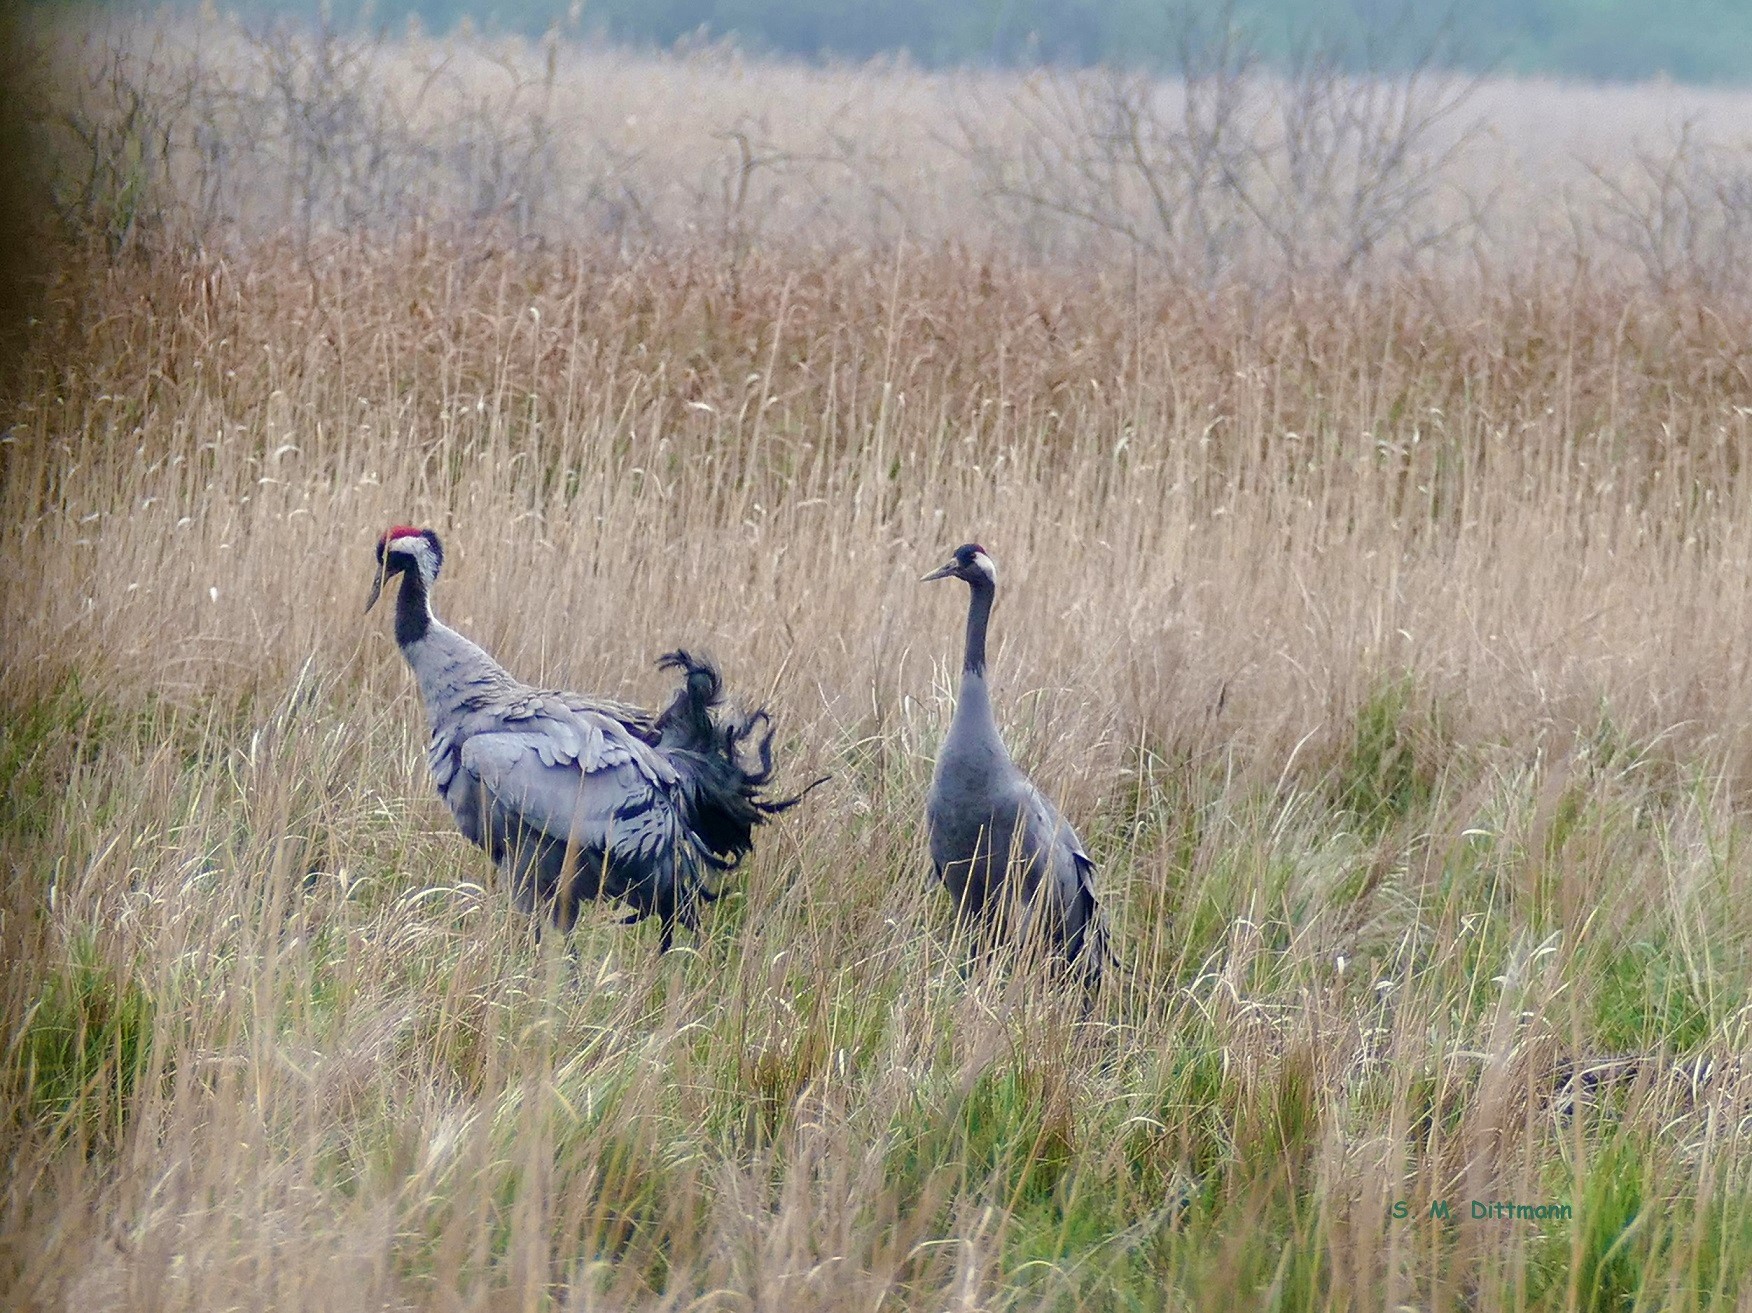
point(979, 610)
point(413, 613)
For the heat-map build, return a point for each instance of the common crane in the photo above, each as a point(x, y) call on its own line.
point(578, 798)
point(1010, 861)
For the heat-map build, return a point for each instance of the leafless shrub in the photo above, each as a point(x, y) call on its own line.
point(114, 145)
point(355, 152)
point(1682, 214)
point(759, 176)
point(1314, 170)
point(505, 153)
point(246, 128)
point(307, 128)
point(1117, 152)
point(1358, 163)
point(214, 134)
point(342, 144)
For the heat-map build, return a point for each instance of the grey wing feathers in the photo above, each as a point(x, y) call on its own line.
point(577, 805)
point(1080, 924)
point(1050, 832)
point(635, 720)
point(572, 729)
point(1087, 938)
point(561, 796)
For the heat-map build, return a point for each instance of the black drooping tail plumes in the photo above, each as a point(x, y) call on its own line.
point(723, 794)
point(686, 723)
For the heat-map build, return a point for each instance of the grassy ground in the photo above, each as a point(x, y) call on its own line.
point(1385, 638)
point(1389, 649)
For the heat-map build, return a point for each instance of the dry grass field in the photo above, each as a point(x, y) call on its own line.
point(1386, 638)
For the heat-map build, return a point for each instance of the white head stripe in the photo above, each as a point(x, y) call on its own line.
point(418, 547)
point(985, 563)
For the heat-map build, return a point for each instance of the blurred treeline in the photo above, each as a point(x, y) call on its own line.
point(1688, 40)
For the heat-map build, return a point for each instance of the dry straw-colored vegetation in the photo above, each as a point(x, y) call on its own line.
point(1384, 630)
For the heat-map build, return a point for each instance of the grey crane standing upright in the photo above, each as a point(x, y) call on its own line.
point(989, 824)
point(578, 798)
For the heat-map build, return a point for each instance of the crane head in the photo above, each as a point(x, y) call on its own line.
point(403, 548)
point(970, 563)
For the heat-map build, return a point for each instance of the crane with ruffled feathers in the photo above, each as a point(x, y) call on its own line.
point(579, 798)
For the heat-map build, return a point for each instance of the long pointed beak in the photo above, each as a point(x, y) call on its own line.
point(941, 572)
point(376, 590)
